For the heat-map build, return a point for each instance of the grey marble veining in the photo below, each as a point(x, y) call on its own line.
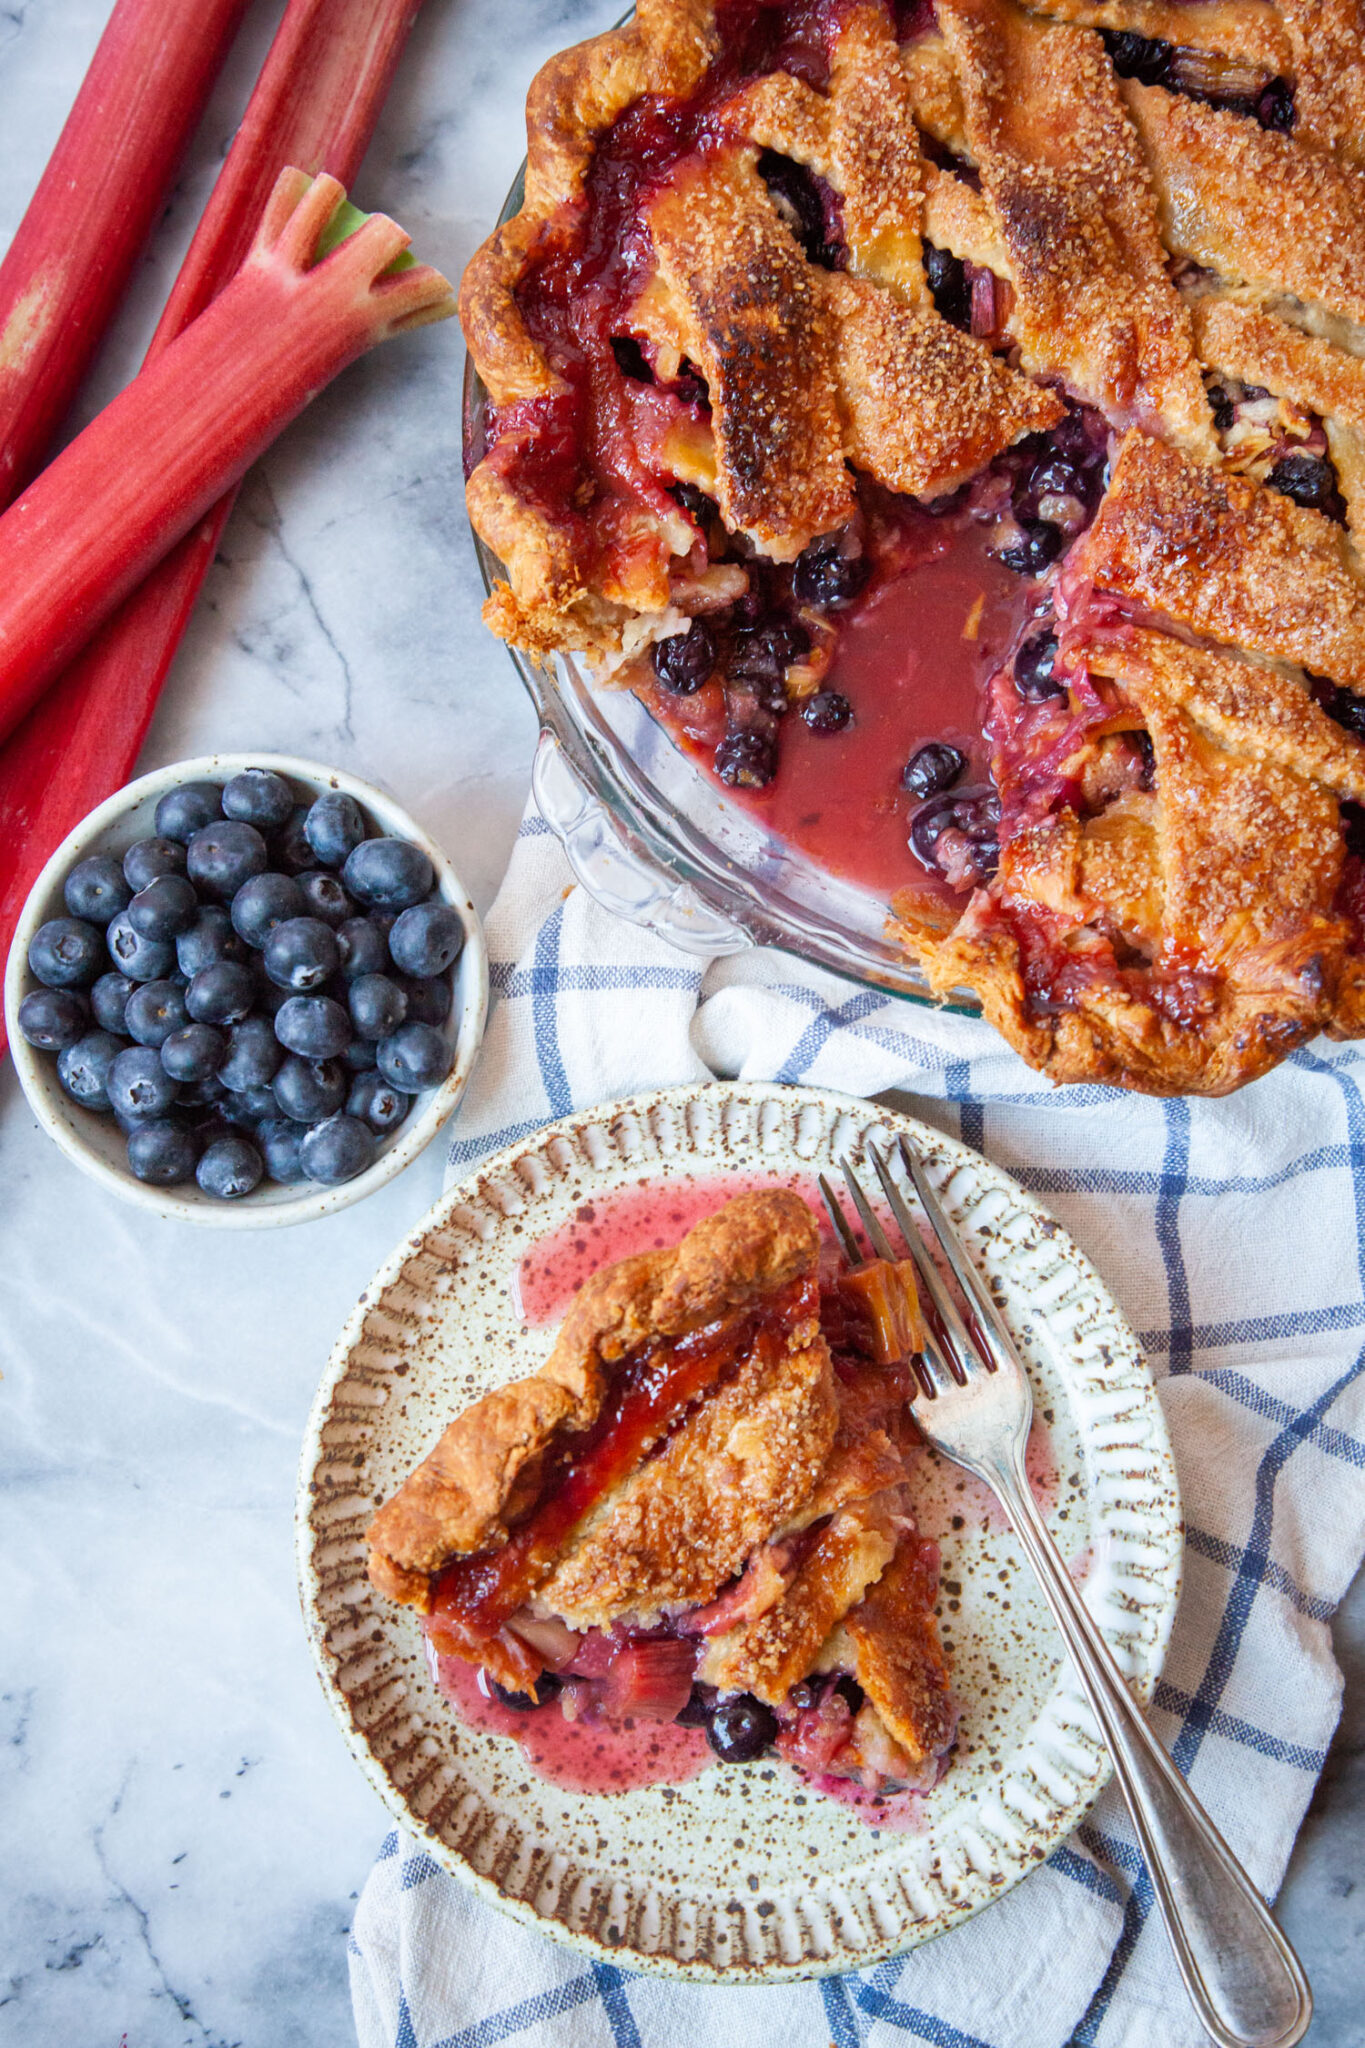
point(183, 1831)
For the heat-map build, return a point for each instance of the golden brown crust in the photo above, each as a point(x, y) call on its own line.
point(901, 1664)
point(1247, 29)
point(1326, 38)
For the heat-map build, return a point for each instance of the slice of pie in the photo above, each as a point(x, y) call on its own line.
point(698, 1508)
point(949, 417)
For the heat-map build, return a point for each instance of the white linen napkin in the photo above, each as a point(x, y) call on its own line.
point(1231, 1233)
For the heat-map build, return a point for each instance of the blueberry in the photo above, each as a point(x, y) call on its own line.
point(932, 768)
point(263, 903)
point(701, 1702)
point(947, 276)
point(221, 994)
point(96, 889)
point(66, 952)
point(741, 1728)
point(1307, 479)
point(389, 872)
point(183, 812)
point(417, 1056)
point(290, 850)
point(161, 1153)
point(827, 711)
point(154, 1011)
point(230, 1168)
point(269, 995)
point(377, 1103)
point(192, 1054)
point(222, 857)
point(928, 823)
point(1222, 406)
point(138, 958)
point(824, 575)
point(363, 946)
point(109, 1000)
point(252, 1057)
point(378, 1005)
point(258, 797)
point(325, 897)
point(209, 939)
point(359, 1056)
point(139, 1085)
point(278, 1139)
point(337, 1149)
point(148, 858)
point(203, 1099)
point(1033, 666)
point(249, 1107)
point(50, 1018)
point(1038, 545)
point(547, 1687)
point(1275, 108)
point(164, 909)
point(314, 1027)
point(1146, 58)
point(301, 954)
point(83, 1068)
point(427, 939)
point(761, 655)
point(309, 1090)
point(746, 759)
point(334, 827)
point(699, 508)
point(684, 661)
point(428, 997)
point(1343, 706)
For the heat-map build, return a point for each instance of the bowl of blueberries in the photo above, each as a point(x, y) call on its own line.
point(246, 991)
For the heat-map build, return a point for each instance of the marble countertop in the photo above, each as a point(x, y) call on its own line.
point(184, 1832)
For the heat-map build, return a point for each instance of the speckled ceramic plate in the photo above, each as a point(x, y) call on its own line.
point(742, 1872)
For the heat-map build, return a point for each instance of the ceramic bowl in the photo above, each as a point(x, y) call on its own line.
point(96, 1144)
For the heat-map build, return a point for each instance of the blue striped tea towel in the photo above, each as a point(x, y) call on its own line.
point(1232, 1234)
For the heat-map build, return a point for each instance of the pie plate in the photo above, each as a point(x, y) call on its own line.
point(742, 1872)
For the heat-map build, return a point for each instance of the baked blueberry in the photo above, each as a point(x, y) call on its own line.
point(428, 997)
point(377, 1103)
point(153, 1011)
point(827, 711)
point(391, 873)
point(427, 939)
point(83, 1068)
point(67, 952)
point(746, 759)
point(334, 827)
point(741, 1728)
point(762, 654)
point(221, 993)
point(193, 1054)
point(684, 661)
point(363, 946)
point(314, 1027)
point(301, 954)
point(1033, 666)
point(50, 1018)
point(290, 851)
point(932, 768)
point(1307, 479)
point(947, 279)
point(165, 908)
point(1275, 108)
point(547, 1687)
point(210, 938)
point(109, 1000)
point(138, 958)
point(258, 797)
point(278, 1139)
point(824, 575)
point(229, 1168)
point(337, 1149)
point(252, 1055)
point(183, 812)
point(378, 1006)
point(161, 1153)
point(1146, 58)
point(1038, 545)
point(223, 856)
point(325, 897)
point(264, 902)
point(415, 1057)
point(309, 1090)
point(148, 858)
point(96, 889)
point(138, 1085)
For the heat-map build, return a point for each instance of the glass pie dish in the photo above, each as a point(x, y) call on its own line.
point(656, 840)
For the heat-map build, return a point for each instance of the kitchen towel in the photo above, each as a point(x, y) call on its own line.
point(1231, 1233)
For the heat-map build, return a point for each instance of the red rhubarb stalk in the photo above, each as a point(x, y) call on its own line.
point(315, 104)
point(92, 525)
point(105, 185)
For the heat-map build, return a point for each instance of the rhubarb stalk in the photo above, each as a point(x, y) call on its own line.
point(315, 104)
point(105, 185)
point(92, 525)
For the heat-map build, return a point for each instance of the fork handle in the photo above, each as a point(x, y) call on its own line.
point(1242, 1976)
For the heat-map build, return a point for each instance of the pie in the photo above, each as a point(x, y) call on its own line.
point(698, 1508)
point(802, 296)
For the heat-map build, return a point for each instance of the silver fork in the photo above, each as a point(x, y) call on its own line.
point(1244, 1980)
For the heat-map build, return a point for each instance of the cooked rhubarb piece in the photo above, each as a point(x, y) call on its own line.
point(885, 1297)
point(678, 1515)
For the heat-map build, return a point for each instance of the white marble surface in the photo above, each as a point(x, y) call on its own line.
point(183, 1833)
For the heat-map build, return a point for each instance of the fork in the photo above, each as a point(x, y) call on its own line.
point(1243, 1978)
